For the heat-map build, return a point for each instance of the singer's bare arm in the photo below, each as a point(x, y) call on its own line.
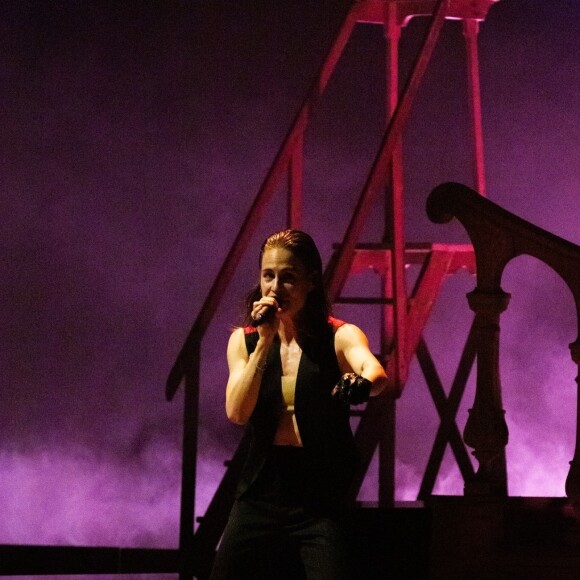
point(245, 375)
point(354, 355)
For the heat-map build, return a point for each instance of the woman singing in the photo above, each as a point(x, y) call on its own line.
point(294, 371)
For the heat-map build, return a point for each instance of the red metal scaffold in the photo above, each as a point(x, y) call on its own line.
point(404, 316)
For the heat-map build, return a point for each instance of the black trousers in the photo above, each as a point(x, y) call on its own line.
point(275, 530)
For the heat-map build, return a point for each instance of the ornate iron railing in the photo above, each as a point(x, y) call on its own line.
point(498, 237)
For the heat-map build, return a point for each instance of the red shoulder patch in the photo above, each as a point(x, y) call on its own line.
point(335, 322)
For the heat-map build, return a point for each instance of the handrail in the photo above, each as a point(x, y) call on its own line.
point(498, 236)
point(272, 180)
point(337, 271)
point(510, 235)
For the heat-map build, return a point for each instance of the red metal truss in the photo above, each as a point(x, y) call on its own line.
point(404, 316)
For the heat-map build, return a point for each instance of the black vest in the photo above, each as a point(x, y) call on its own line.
point(323, 422)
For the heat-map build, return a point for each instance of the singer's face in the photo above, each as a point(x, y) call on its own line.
point(284, 278)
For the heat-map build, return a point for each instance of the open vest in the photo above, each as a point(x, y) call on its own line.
point(323, 422)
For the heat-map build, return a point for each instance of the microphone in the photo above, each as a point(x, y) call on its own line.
point(264, 317)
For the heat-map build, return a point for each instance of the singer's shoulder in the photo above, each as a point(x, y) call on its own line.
point(244, 338)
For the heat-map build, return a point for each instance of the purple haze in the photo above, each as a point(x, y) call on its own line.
point(135, 137)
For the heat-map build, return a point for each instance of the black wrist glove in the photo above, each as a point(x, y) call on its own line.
point(352, 389)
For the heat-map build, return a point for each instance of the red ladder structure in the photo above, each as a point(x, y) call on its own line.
point(403, 317)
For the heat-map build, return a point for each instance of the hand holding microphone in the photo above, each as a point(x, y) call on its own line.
point(265, 316)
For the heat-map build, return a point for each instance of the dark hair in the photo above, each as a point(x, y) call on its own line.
point(313, 318)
